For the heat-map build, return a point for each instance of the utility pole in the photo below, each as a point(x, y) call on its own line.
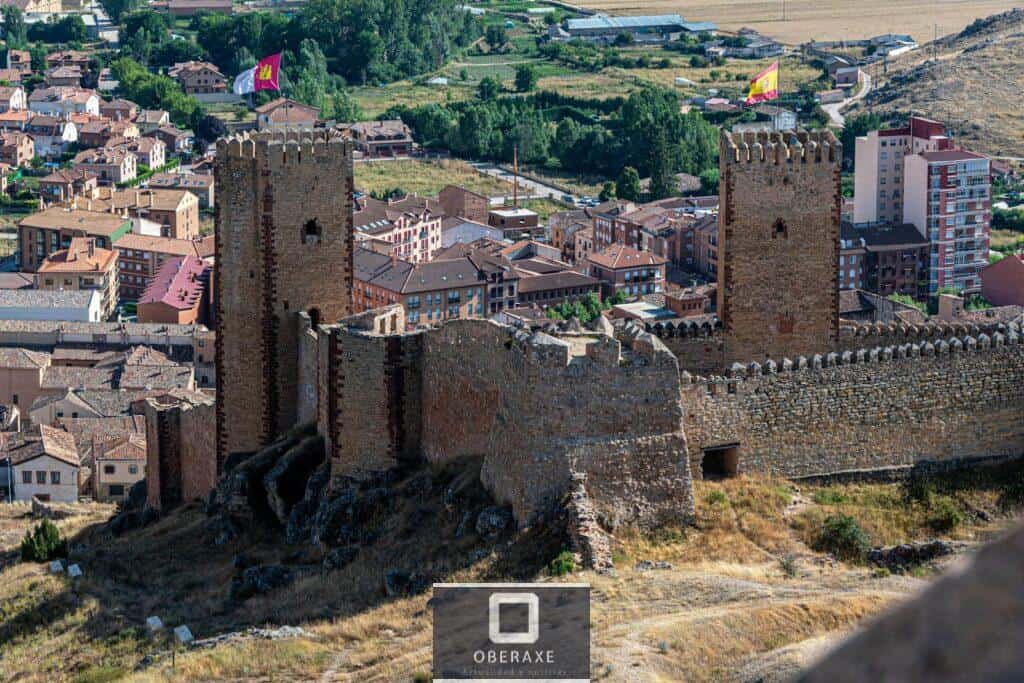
point(515, 176)
point(783, 10)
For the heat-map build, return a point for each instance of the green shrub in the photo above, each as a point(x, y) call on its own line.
point(43, 544)
point(945, 515)
point(919, 490)
point(830, 496)
point(101, 674)
point(716, 497)
point(422, 677)
point(843, 537)
point(788, 565)
point(564, 563)
point(1013, 494)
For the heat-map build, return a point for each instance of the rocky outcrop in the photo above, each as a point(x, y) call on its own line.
point(285, 482)
point(587, 540)
point(899, 558)
point(260, 579)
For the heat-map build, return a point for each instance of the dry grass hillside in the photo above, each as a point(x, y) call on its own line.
point(974, 85)
point(748, 593)
point(820, 20)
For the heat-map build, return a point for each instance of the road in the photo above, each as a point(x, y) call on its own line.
point(528, 189)
point(834, 111)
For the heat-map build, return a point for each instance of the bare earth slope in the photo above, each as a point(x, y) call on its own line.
point(975, 85)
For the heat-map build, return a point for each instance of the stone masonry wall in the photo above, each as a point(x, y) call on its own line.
point(180, 442)
point(284, 245)
point(778, 243)
point(538, 410)
point(866, 410)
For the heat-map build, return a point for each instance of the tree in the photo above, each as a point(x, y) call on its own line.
point(210, 128)
point(43, 544)
point(662, 184)
point(344, 108)
point(623, 39)
point(489, 88)
point(526, 78)
point(496, 36)
point(14, 27)
point(463, 75)
point(709, 181)
point(628, 184)
point(607, 192)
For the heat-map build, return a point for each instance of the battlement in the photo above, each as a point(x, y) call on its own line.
point(781, 147)
point(285, 146)
point(964, 342)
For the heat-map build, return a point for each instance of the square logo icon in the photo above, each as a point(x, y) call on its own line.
point(500, 632)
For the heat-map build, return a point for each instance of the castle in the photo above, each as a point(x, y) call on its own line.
point(623, 419)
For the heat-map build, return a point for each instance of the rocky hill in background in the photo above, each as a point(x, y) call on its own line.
point(975, 84)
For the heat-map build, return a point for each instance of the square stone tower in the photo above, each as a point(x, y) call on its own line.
point(283, 246)
point(778, 232)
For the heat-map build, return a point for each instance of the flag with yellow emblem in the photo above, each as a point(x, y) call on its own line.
point(263, 76)
point(765, 85)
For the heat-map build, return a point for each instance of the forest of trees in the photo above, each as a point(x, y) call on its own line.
point(646, 132)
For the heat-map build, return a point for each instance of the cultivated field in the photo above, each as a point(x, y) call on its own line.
point(821, 19)
point(426, 177)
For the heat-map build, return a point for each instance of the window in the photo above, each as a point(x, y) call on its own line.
point(26, 477)
point(780, 229)
point(40, 477)
point(311, 232)
point(108, 469)
point(116, 489)
point(14, 399)
point(55, 478)
point(133, 469)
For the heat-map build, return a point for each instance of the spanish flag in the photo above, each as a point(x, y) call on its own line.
point(765, 85)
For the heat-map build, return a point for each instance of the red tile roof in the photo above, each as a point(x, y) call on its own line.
point(178, 283)
point(620, 256)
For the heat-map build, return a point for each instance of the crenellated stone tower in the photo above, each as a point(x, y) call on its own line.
point(284, 246)
point(780, 198)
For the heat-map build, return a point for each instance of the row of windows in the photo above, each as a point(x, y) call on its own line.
point(26, 477)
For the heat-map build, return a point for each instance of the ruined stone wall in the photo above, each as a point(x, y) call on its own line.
point(371, 415)
point(778, 243)
point(180, 447)
point(309, 349)
point(866, 410)
point(284, 245)
point(539, 408)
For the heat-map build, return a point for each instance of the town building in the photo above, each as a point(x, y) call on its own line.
point(45, 465)
point(119, 110)
point(188, 8)
point(198, 77)
point(430, 292)
point(623, 269)
point(110, 165)
point(12, 98)
point(142, 255)
point(16, 149)
point(52, 136)
point(149, 120)
point(67, 184)
point(583, 245)
point(66, 76)
point(544, 282)
point(285, 113)
point(61, 101)
point(175, 140)
point(179, 293)
point(884, 259)
point(118, 464)
point(83, 305)
point(516, 222)
point(157, 212)
point(660, 28)
point(151, 152)
point(458, 202)
point(690, 302)
point(43, 233)
point(376, 139)
point(82, 266)
point(21, 373)
point(412, 225)
point(103, 133)
point(464, 231)
point(1002, 283)
point(19, 60)
point(948, 198)
point(76, 58)
point(201, 185)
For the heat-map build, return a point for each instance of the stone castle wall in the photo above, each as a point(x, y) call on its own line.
point(180, 438)
point(778, 289)
point(537, 410)
point(284, 246)
point(872, 409)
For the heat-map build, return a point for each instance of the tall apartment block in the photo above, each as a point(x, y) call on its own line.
point(915, 175)
point(948, 198)
point(878, 183)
